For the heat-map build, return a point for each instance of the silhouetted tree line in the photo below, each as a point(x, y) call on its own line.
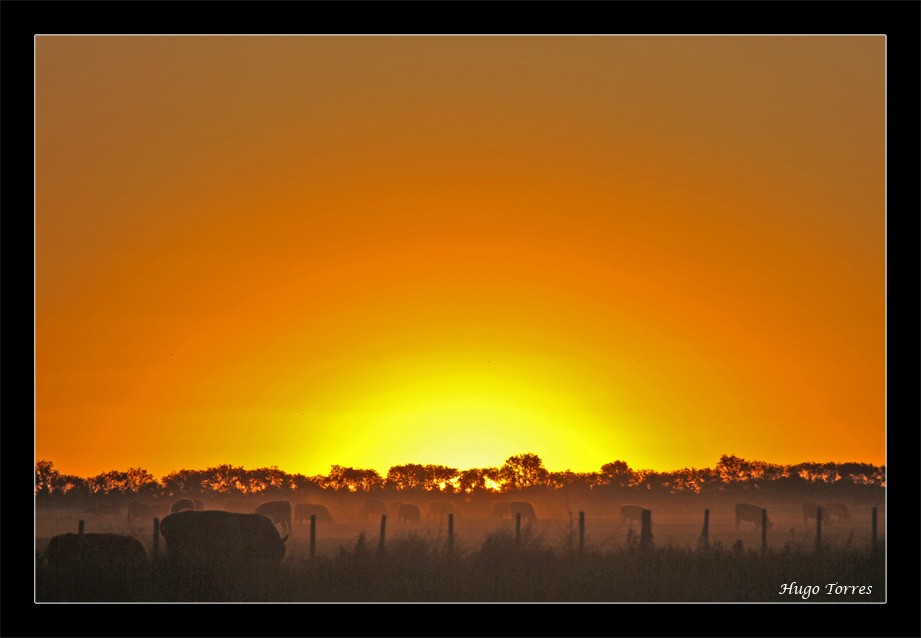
point(519, 472)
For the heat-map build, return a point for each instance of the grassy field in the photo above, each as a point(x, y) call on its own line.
point(485, 560)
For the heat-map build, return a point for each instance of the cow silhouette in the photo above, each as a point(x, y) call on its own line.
point(409, 513)
point(750, 514)
point(95, 567)
point(810, 510)
point(218, 555)
point(279, 512)
point(303, 512)
point(524, 508)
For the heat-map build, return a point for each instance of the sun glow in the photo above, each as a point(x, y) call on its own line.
point(462, 410)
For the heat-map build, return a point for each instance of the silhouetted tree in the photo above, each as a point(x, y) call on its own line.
point(45, 475)
point(523, 470)
point(352, 480)
point(616, 474)
point(406, 477)
point(477, 479)
point(438, 477)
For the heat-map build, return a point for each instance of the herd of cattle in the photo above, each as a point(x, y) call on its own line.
point(189, 529)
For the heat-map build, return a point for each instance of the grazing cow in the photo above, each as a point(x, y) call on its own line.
point(409, 513)
point(440, 509)
point(630, 513)
point(524, 508)
point(139, 511)
point(218, 555)
point(809, 512)
point(750, 514)
point(182, 504)
point(105, 509)
point(839, 511)
point(279, 512)
point(373, 507)
point(216, 536)
point(500, 510)
point(303, 512)
point(95, 567)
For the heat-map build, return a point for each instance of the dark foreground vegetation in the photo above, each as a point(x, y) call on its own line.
point(501, 569)
point(742, 531)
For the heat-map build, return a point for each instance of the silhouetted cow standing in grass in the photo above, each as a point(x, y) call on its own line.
point(95, 567)
point(409, 513)
point(303, 512)
point(524, 508)
point(750, 514)
point(218, 555)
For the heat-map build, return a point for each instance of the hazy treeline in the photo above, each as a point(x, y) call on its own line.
point(519, 472)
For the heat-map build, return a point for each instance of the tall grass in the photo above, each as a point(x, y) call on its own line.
point(500, 569)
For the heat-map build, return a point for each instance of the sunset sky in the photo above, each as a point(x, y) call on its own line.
point(369, 251)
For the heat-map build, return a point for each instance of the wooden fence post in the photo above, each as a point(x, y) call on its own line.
point(313, 535)
point(81, 540)
point(818, 529)
point(873, 533)
point(380, 546)
point(764, 519)
point(517, 527)
point(645, 529)
point(581, 532)
point(705, 533)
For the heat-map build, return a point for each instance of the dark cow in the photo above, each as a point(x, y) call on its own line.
point(139, 511)
point(182, 505)
point(810, 510)
point(303, 512)
point(95, 567)
point(750, 514)
point(102, 510)
point(222, 536)
point(279, 512)
point(840, 511)
point(409, 513)
point(372, 507)
point(631, 513)
point(524, 508)
point(218, 555)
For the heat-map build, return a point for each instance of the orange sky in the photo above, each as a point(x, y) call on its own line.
point(368, 251)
